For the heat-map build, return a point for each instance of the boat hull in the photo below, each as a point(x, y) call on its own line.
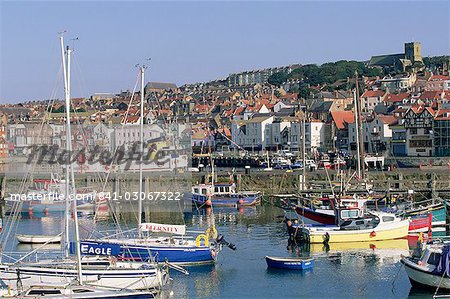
point(289, 263)
point(181, 255)
point(37, 239)
point(135, 279)
point(394, 231)
point(438, 211)
point(225, 201)
point(424, 279)
point(314, 217)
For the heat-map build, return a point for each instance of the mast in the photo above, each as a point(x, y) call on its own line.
point(70, 166)
point(304, 147)
point(357, 135)
point(361, 139)
point(141, 149)
point(67, 203)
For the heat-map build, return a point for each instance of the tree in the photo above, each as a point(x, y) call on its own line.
point(278, 79)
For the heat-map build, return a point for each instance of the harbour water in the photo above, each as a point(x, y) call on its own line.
point(356, 270)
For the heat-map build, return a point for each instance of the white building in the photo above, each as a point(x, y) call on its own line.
point(315, 136)
point(251, 133)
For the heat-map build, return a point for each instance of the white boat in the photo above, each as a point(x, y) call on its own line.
point(133, 276)
point(38, 239)
point(69, 290)
point(431, 269)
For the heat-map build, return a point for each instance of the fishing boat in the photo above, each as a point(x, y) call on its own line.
point(438, 212)
point(223, 195)
point(432, 268)
point(323, 210)
point(400, 245)
point(38, 239)
point(289, 263)
point(325, 213)
point(382, 226)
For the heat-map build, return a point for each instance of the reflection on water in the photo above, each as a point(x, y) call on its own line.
point(358, 270)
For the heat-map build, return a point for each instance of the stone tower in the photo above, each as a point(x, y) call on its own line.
point(413, 51)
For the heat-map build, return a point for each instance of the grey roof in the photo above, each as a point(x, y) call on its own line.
point(15, 110)
point(383, 109)
point(320, 106)
point(160, 85)
point(386, 60)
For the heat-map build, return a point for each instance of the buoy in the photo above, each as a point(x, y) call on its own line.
point(241, 201)
point(373, 234)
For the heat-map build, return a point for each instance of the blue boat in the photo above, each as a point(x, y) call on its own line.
point(289, 263)
point(175, 254)
point(223, 195)
point(174, 250)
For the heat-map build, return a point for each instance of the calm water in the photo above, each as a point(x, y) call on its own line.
point(353, 271)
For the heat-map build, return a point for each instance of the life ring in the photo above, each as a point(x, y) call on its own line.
point(212, 232)
point(199, 239)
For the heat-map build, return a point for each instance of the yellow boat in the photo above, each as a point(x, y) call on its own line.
point(397, 244)
point(383, 226)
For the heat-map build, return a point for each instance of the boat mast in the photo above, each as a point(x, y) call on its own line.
point(69, 165)
point(361, 140)
point(357, 135)
point(304, 147)
point(67, 203)
point(141, 150)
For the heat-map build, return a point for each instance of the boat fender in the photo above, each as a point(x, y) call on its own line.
point(199, 239)
point(212, 232)
point(373, 234)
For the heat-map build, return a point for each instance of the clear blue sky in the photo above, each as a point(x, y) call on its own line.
point(200, 41)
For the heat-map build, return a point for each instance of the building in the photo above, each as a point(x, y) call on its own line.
point(315, 139)
point(376, 134)
point(441, 133)
point(437, 83)
point(251, 134)
point(339, 128)
point(400, 62)
point(418, 122)
point(398, 83)
point(372, 98)
point(257, 76)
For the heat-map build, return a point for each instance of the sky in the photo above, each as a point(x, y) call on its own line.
point(192, 42)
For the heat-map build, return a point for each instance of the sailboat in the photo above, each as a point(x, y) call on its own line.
point(102, 272)
point(176, 247)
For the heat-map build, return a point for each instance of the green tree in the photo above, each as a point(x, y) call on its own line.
point(278, 79)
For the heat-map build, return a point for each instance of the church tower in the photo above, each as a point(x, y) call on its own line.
point(413, 52)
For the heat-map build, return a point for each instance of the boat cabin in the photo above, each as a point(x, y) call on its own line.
point(219, 189)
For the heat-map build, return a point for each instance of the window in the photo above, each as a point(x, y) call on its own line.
point(388, 218)
point(349, 214)
point(434, 258)
point(44, 292)
point(413, 131)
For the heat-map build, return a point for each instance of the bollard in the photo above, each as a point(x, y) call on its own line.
point(247, 169)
